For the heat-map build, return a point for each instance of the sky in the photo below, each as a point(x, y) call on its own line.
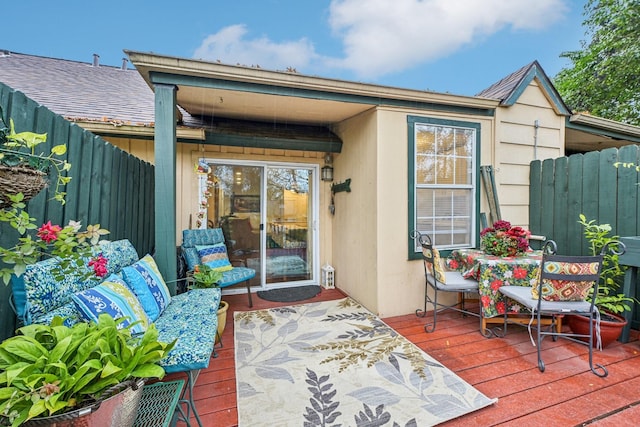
point(450, 46)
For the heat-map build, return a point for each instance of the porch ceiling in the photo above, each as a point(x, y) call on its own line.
point(232, 104)
point(212, 90)
point(586, 133)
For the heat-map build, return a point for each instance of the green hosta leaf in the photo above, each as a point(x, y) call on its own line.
point(110, 369)
point(18, 370)
point(84, 378)
point(7, 392)
point(6, 359)
point(58, 352)
point(99, 386)
point(55, 404)
point(149, 370)
point(25, 348)
point(37, 408)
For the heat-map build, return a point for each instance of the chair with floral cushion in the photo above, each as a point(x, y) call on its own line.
point(207, 246)
point(563, 287)
point(439, 280)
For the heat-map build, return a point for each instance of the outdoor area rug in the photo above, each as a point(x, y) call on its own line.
point(298, 293)
point(335, 363)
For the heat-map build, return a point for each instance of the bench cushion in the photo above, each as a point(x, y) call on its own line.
point(192, 318)
point(39, 291)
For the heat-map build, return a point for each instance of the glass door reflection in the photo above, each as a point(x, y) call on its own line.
point(237, 209)
point(288, 254)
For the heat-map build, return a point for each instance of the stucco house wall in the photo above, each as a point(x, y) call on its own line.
point(400, 284)
point(355, 225)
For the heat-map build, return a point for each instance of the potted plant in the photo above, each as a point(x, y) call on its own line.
point(610, 302)
point(20, 161)
point(23, 169)
point(503, 240)
point(204, 276)
point(49, 370)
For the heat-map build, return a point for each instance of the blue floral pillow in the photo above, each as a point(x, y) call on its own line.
point(147, 283)
point(112, 297)
point(215, 256)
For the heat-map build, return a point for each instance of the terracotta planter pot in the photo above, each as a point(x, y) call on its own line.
point(609, 330)
point(222, 318)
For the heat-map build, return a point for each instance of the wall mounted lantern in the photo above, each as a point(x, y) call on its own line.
point(327, 169)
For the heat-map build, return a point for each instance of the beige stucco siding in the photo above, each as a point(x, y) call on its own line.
point(366, 239)
point(355, 226)
point(370, 228)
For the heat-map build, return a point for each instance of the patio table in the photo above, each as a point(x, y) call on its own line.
point(492, 272)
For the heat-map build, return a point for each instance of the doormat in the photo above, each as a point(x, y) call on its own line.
point(298, 293)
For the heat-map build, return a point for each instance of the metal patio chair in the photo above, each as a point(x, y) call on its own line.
point(439, 280)
point(564, 284)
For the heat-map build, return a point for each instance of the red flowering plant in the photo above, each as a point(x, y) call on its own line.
point(504, 240)
point(70, 244)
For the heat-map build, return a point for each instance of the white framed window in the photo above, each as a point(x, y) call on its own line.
point(443, 183)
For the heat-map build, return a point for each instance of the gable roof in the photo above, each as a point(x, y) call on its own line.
point(509, 89)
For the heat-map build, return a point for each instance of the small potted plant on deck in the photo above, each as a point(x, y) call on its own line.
point(609, 300)
point(204, 276)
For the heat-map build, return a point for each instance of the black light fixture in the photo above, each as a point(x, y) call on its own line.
point(327, 169)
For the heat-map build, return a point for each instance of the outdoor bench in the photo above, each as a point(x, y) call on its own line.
point(189, 317)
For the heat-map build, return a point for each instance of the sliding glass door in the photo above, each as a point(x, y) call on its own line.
point(288, 219)
point(266, 213)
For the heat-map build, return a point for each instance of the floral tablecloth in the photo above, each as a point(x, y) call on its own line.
point(492, 271)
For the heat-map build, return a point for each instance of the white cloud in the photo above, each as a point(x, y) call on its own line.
point(382, 36)
point(230, 46)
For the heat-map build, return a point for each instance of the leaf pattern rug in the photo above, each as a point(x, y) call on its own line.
point(335, 363)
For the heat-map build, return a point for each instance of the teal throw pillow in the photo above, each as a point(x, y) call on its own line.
point(145, 280)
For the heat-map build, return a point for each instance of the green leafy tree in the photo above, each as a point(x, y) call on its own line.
point(604, 79)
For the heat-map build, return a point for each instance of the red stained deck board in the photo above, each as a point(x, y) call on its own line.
point(499, 367)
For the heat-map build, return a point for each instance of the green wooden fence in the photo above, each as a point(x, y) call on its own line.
point(562, 189)
point(108, 186)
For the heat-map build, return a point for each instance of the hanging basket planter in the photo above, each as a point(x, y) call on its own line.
point(20, 179)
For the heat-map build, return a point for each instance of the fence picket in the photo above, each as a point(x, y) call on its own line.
point(588, 184)
point(104, 187)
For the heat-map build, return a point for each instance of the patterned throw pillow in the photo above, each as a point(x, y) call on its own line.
point(112, 297)
point(565, 290)
point(214, 256)
point(438, 263)
point(147, 283)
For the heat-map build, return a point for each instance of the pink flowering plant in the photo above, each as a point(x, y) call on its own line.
point(72, 245)
point(504, 240)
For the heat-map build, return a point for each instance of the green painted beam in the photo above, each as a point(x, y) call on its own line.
point(165, 183)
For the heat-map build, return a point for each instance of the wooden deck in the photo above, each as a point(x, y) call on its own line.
point(566, 394)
